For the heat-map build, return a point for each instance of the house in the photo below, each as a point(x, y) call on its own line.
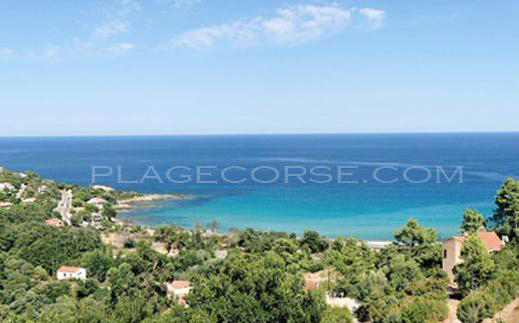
point(342, 301)
point(451, 250)
point(178, 290)
point(97, 201)
point(29, 200)
point(43, 189)
point(54, 222)
point(6, 187)
point(220, 254)
point(5, 205)
point(312, 280)
point(65, 272)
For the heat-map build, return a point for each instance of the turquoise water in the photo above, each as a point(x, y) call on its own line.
point(367, 209)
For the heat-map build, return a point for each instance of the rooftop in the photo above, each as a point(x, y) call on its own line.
point(180, 284)
point(67, 269)
point(489, 239)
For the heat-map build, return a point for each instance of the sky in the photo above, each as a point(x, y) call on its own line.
point(132, 67)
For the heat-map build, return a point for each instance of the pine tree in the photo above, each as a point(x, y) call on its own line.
point(477, 267)
point(473, 221)
point(507, 202)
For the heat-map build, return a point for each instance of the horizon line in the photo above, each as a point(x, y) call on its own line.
point(255, 134)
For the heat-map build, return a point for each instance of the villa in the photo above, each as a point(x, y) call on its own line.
point(65, 273)
point(54, 222)
point(451, 250)
point(178, 290)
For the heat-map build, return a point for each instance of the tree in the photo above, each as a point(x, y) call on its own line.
point(507, 211)
point(108, 211)
point(420, 243)
point(97, 264)
point(314, 242)
point(412, 235)
point(475, 308)
point(255, 288)
point(337, 315)
point(214, 226)
point(477, 267)
point(473, 221)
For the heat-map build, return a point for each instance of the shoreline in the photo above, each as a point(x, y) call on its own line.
point(133, 202)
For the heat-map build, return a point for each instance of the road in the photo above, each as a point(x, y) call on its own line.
point(65, 205)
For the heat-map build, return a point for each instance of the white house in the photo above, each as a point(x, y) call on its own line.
point(220, 254)
point(6, 186)
point(65, 272)
point(178, 290)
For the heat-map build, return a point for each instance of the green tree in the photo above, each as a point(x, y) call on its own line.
point(506, 215)
point(477, 267)
point(337, 315)
point(473, 221)
point(314, 242)
point(475, 308)
point(255, 288)
point(97, 264)
point(420, 244)
point(108, 211)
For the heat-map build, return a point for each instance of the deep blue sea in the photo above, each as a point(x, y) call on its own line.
point(384, 178)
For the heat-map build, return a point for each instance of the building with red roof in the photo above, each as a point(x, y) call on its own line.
point(451, 250)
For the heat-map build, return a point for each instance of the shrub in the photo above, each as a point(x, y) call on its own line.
point(476, 307)
point(423, 309)
point(490, 299)
point(337, 315)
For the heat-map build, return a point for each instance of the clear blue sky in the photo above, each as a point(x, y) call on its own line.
point(228, 66)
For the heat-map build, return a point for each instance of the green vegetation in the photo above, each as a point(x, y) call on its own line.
point(261, 279)
point(490, 281)
point(473, 221)
point(477, 267)
point(505, 218)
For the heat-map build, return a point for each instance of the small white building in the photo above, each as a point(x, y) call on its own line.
point(65, 272)
point(178, 290)
point(342, 301)
point(220, 254)
point(29, 200)
point(5, 205)
point(97, 201)
point(6, 187)
point(43, 189)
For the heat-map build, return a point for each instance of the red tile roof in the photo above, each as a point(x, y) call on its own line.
point(54, 222)
point(66, 269)
point(179, 284)
point(490, 240)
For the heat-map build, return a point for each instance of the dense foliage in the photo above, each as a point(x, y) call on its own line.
point(260, 280)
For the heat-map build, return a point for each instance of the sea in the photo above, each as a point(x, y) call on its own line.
point(342, 185)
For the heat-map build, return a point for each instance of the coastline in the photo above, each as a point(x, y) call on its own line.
point(137, 201)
